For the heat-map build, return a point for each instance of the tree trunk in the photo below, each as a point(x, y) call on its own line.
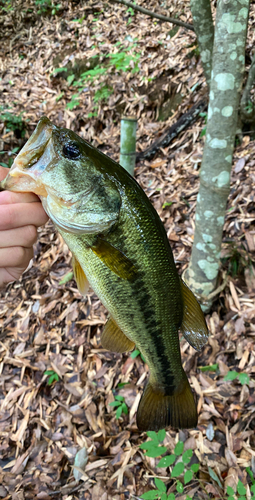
point(226, 82)
point(203, 24)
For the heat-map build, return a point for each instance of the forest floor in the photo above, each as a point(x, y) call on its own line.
point(145, 68)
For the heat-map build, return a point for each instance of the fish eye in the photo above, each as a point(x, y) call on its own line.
point(71, 151)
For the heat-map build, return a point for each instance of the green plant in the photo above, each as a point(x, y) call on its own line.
point(8, 6)
point(235, 257)
point(209, 368)
point(242, 377)
point(120, 405)
point(181, 473)
point(11, 159)
point(241, 491)
point(53, 376)
point(14, 123)
point(125, 60)
point(136, 353)
point(47, 6)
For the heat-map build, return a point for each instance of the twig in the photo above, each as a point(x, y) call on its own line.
point(153, 14)
point(184, 121)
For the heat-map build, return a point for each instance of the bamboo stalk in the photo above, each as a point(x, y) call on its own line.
point(128, 143)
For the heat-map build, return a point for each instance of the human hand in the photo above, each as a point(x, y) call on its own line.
point(20, 215)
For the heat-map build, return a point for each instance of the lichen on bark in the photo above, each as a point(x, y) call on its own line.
point(226, 82)
point(203, 24)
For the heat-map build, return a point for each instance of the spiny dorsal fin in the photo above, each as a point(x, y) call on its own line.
point(114, 259)
point(114, 339)
point(193, 325)
point(157, 411)
point(80, 277)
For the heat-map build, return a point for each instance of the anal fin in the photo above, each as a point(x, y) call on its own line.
point(158, 411)
point(80, 277)
point(193, 325)
point(114, 339)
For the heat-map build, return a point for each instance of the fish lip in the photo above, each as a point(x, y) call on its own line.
point(21, 177)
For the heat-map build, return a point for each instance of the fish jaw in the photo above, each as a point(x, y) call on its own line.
point(35, 156)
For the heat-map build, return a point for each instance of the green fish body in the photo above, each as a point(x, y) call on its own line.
point(120, 248)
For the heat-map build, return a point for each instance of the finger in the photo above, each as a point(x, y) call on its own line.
point(24, 236)
point(3, 172)
point(8, 197)
point(21, 214)
point(16, 257)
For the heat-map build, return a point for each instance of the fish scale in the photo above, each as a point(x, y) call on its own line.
point(120, 248)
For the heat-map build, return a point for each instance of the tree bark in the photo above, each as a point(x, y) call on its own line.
point(203, 24)
point(226, 82)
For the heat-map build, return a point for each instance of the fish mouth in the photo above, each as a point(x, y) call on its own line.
point(24, 175)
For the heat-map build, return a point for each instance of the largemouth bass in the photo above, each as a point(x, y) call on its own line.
point(119, 247)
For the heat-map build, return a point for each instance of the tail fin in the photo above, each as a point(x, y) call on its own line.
point(157, 411)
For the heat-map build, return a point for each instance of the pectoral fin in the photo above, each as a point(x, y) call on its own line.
point(114, 339)
point(114, 259)
point(193, 324)
point(80, 277)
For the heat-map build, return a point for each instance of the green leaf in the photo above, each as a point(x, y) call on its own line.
point(178, 469)
point(195, 467)
point(119, 412)
point(244, 378)
point(122, 384)
point(161, 435)
point(124, 408)
point(242, 498)
point(166, 461)
point(179, 448)
point(119, 398)
point(150, 495)
point(160, 485)
point(164, 496)
point(171, 496)
point(230, 491)
point(154, 436)
point(248, 470)
point(179, 487)
point(241, 488)
point(59, 96)
point(214, 476)
point(70, 79)
point(188, 498)
point(49, 372)
point(231, 375)
point(156, 451)
point(66, 278)
point(186, 457)
point(148, 445)
point(188, 476)
point(115, 403)
point(209, 368)
point(232, 498)
point(253, 488)
point(134, 354)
